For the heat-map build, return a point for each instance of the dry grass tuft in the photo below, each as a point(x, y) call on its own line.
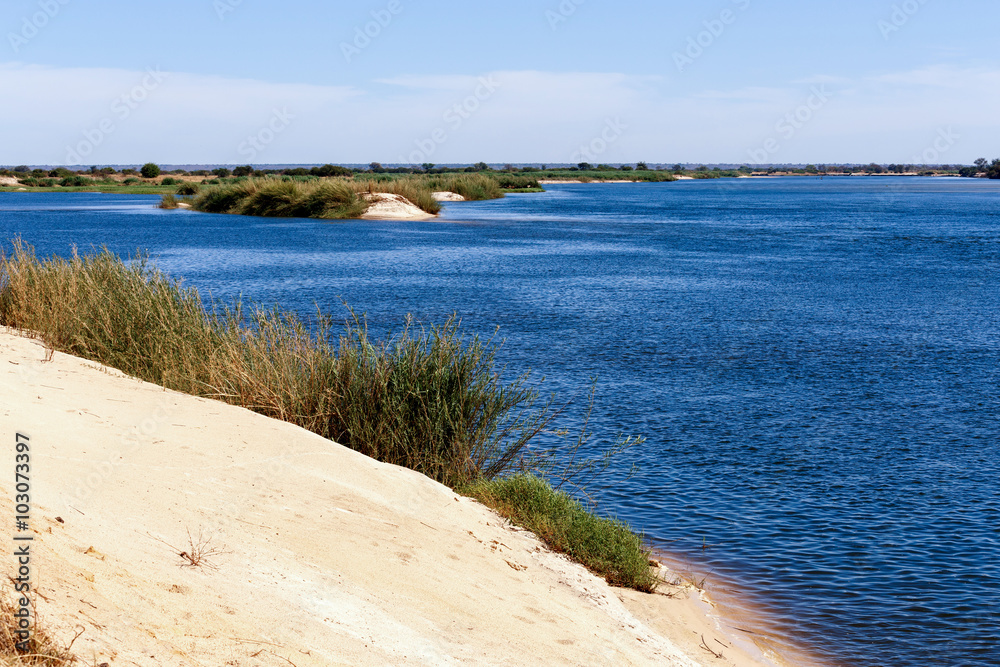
point(42, 651)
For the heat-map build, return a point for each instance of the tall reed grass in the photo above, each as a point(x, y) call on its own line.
point(428, 400)
point(272, 197)
point(473, 187)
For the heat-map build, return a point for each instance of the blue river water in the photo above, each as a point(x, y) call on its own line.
point(815, 366)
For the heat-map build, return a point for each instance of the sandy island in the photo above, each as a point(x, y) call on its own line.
point(316, 555)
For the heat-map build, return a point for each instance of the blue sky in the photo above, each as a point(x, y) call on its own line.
point(745, 81)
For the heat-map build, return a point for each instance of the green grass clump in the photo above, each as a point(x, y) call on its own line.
point(169, 202)
point(606, 546)
point(473, 187)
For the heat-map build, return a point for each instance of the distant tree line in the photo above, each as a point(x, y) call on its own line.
point(982, 168)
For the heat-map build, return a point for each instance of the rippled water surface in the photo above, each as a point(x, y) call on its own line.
point(814, 365)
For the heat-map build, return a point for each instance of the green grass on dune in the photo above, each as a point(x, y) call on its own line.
point(431, 400)
point(606, 546)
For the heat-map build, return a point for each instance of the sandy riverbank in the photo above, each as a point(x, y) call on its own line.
point(325, 557)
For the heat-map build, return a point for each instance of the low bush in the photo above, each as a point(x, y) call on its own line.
point(76, 182)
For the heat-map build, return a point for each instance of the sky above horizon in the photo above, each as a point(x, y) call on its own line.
point(549, 81)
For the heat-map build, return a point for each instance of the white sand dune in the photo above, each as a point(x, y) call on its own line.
point(325, 557)
point(387, 206)
point(447, 196)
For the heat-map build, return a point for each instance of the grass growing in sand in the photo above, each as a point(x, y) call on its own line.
point(428, 400)
point(606, 546)
point(169, 202)
point(328, 199)
point(278, 198)
point(343, 198)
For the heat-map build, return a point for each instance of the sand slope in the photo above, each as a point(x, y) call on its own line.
point(330, 558)
point(387, 206)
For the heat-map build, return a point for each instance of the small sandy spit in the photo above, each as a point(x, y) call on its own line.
point(447, 196)
point(313, 554)
point(386, 206)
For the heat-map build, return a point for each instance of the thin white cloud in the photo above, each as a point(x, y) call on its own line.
point(494, 116)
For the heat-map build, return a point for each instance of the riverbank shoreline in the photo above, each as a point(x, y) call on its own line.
point(307, 545)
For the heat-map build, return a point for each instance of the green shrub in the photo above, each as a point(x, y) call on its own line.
point(188, 189)
point(149, 170)
point(169, 181)
point(131, 181)
point(512, 182)
point(76, 182)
